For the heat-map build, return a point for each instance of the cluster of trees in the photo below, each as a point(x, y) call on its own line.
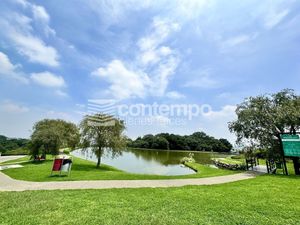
point(198, 141)
point(8, 144)
point(50, 135)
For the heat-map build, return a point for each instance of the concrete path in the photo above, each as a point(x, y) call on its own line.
point(11, 157)
point(9, 184)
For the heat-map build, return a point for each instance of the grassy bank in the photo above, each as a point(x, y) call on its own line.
point(263, 200)
point(86, 170)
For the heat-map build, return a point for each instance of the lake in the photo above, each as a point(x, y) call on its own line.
point(158, 162)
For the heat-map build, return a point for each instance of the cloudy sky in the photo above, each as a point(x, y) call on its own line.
point(57, 55)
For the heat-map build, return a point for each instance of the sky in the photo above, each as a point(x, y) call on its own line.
point(56, 56)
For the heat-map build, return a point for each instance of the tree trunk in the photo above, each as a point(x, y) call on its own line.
point(99, 157)
point(296, 165)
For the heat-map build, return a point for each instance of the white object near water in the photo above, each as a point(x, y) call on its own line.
point(10, 167)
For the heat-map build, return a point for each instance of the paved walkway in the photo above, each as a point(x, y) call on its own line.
point(11, 157)
point(9, 184)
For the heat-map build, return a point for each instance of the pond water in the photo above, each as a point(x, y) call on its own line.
point(158, 162)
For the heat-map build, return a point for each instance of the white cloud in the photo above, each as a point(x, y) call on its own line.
point(125, 83)
point(237, 40)
point(39, 12)
point(61, 93)
point(35, 49)
point(48, 79)
point(159, 32)
point(226, 111)
point(203, 79)
point(175, 95)
point(150, 72)
point(9, 70)
point(40, 15)
point(190, 9)
point(161, 75)
point(274, 17)
point(5, 64)
point(20, 32)
point(11, 107)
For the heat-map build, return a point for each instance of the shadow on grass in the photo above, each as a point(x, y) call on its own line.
point(93, 168)
point(58, 175)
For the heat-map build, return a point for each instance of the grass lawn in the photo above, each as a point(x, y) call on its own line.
point(268, 199)
point(229, 160)
point(86, 170)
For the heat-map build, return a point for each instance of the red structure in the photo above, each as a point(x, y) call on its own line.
point(62, 164)
point(57, 164)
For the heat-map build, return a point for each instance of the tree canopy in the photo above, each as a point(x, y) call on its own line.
point(49, 135)
point(101, 131)
point(198, 141)
point(261, 120)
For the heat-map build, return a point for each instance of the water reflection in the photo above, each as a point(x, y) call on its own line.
point(148, 161)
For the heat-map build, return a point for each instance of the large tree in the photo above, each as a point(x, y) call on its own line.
point(101, 131)
point(261, 120)
point(49, 135)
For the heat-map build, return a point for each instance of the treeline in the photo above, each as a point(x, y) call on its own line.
point(198, 141)
point(9, 144)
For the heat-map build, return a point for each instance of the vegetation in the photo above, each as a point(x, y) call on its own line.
point(50, 135)
point(265, 200)
point(12, 146)
point(198, 141)
point(261, 120)
point(102, 131)
point(86, 170)
point(230, 163)
point(231, 160)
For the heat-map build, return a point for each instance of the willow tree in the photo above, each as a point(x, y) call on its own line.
point(263, 118)
point(100, 131)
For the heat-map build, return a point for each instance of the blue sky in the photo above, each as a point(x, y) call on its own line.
point(56, 55)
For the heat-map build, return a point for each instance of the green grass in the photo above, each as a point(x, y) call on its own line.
point(86, 170)
point(18, 151)
point(265, 200)
point(229, 160)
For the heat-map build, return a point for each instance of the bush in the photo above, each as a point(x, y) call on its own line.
point(188, 159)
point(229, 166)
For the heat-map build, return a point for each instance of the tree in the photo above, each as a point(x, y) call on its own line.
point(50, 135)
point(160, 143)
point(101, 131)
point(226, 145)
point(261, 120)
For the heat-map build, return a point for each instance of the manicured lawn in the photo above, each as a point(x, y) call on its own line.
point(269, 200)
point(86, 170)
point(229, 160)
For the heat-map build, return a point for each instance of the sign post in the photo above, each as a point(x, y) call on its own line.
point(291, 148)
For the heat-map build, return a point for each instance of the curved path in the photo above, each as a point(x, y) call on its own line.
point(10, 157)
point(9, 184)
